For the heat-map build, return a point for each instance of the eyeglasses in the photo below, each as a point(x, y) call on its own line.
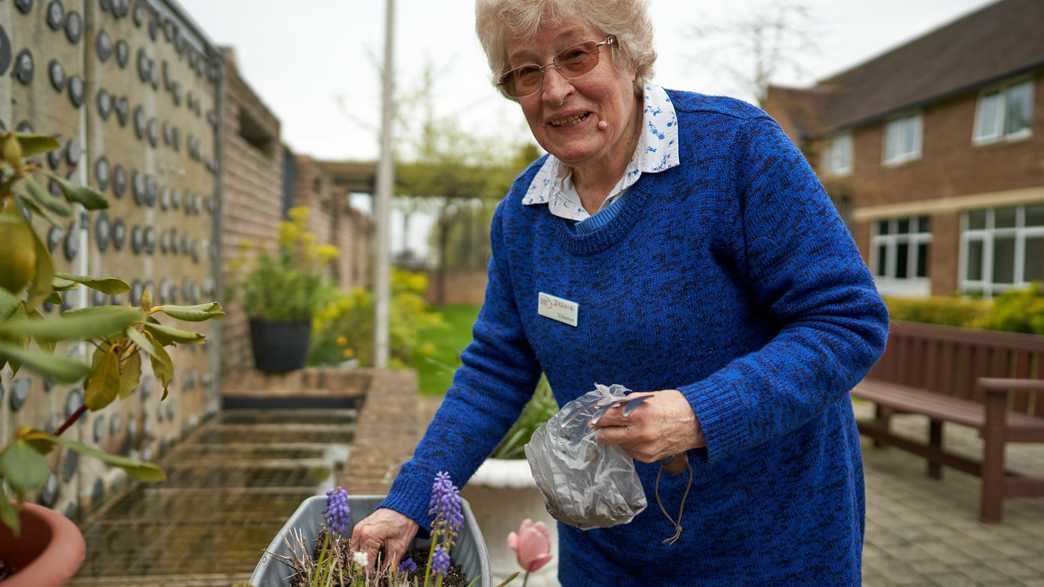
point(570, 63)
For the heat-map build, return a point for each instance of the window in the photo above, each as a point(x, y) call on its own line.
point(837, 156)
point(903, 140)
point(1002, 248)
point(900, 254)
point(1004, 113)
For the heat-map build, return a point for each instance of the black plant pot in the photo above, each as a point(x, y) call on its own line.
point(280, 345)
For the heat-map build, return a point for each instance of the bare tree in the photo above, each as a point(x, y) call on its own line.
point(773, 38)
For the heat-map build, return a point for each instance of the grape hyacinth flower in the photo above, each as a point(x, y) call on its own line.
point(337, 511)
point(445, 507)
point(440, 562)
point(407, 566)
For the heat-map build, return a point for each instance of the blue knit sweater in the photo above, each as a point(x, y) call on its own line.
point(730, 277)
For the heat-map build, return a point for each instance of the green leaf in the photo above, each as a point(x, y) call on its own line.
point(8, 303)
point(142, 341)
point(60, 284)
point(24, 469)
point(510, 578)
point(62, 369)
point(140, 470)
point(80, 194)
point(36, 209)
point(166, 335)
point(162, 367)
point(55, 298)
point(40, 289)
point(197, 313)
point(34, 144)
point(9, 513)
point(104, 383)
point(130, 374)
point(46, 346)
point(46, 200)
point(108, 285)
point(98, 322)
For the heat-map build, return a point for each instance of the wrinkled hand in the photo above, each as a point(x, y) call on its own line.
point(658, 429)
point(387, 528)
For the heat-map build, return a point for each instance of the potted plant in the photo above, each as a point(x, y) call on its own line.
point(503, 490)
point(123, 337)
point(281, 292)
point(312, 547)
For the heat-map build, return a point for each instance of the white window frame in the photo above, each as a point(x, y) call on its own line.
point(917, 119)
point(1002, 90)
point(837, 156)
point(889, 284)
point(987, 235)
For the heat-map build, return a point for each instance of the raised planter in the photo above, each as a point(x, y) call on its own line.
point(280, 346)
point(469, 551)
point(502, 493)
point(48, 552)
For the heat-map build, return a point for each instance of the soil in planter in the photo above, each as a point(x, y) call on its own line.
point(454, 578)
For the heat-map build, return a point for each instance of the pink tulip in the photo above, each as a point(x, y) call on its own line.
point(532, 545)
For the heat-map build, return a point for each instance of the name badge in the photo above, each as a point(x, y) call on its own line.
point(558, 309)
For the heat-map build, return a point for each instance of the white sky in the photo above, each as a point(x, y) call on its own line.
point(300, 57)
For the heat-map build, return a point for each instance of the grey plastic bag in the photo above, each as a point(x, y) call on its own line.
point(585, 484)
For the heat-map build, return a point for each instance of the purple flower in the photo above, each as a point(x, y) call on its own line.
point(407, 566)
point(445, 507)
point(440, 562)
point(337, 510)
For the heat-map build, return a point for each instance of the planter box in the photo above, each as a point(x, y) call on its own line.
point(469, 551)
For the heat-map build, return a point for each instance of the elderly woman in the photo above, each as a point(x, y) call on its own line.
point(680, 245)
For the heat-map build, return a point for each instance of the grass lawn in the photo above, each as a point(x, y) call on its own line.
point(436, 371)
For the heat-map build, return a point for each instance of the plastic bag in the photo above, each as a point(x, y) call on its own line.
point(585, 484)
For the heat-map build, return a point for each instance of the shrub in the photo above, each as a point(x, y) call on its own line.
point(539, 409)
point(343, 327)
point(947, 311)
point(1020, 310)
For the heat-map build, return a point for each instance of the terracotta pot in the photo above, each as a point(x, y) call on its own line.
point(48, 552)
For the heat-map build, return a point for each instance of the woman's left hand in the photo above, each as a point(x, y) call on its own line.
point(661, 427)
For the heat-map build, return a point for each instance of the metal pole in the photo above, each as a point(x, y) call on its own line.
point(385, 181)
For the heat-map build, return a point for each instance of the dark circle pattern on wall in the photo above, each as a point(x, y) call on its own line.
point(54, 236)
point(144, 65)
point(54, 159)
point(24, 67)
point(5, 51)
point(137, 240)
point(98, 428)
point(49, 493)
point(119, 234)
point(98, 298)
point(119, 181)
point(76, 90)
point(20, 389)
point(104, 103)
point(140, 121)
point(137, 290)
point(153, 132)
point(101, 173)
point(122, 108)
point(73, 26)
point(25, 6)
point(150, 240)
point(55, 15)
point(73, 152)
point(70, 463)
point(122, 53)
point(56, 73)
point(72, 242)
point(138, 187)
point(103, 46)
point(151, 190)
point(102, 230)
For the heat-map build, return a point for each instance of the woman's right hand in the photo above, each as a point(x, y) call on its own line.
point(384, 528)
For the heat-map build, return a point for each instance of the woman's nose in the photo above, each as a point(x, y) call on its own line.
point(556, 88)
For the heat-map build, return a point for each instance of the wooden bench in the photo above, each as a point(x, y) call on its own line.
point(990, 381)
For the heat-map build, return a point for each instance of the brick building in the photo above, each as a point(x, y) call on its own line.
point(262, 179)
point(934, 153)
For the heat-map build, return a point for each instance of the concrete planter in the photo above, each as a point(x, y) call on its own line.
point(469, 551)
point(502, 493)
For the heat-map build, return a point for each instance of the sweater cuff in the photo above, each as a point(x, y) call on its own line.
point(409, 495)
point(720, 412)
